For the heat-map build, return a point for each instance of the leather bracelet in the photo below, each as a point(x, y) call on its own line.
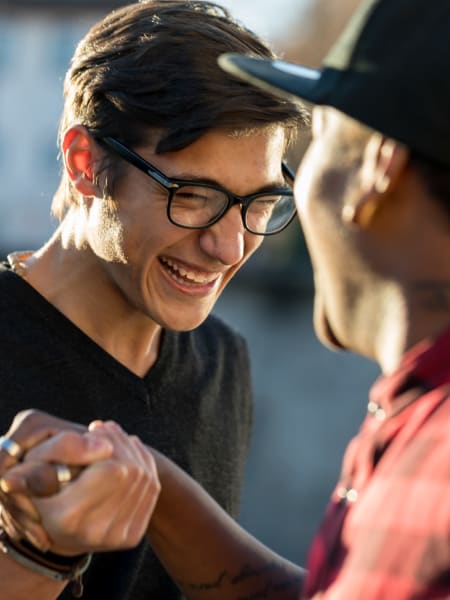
point(53, 566)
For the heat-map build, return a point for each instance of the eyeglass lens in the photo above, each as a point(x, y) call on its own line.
point(198, 206)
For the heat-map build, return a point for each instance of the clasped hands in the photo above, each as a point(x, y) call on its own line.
point(74, 490)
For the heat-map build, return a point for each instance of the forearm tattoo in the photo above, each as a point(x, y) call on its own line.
point(269, 581)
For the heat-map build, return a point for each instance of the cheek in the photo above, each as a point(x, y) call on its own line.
point(320, 190)
point(310, 167)
point(307, 198)
point(106, 232)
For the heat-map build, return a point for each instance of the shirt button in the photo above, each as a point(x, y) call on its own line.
point(376, 411)
point(347, 494)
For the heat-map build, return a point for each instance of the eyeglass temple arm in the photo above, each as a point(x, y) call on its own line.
point(287, 171)
point(135, 160)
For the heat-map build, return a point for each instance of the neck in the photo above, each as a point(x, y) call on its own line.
point(422, 313)
point(74, 282)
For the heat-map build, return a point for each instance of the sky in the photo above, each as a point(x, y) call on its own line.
point(269, 18)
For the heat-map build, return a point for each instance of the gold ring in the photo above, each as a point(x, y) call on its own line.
point(11, 447)
point(63, 475)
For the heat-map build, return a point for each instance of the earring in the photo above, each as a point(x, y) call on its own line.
point(366, 213)
point(381, 184)
point(348, 213)
point(360, 215)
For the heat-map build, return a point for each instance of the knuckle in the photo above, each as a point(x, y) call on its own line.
point(146, 478)
point(132, 534)
point(113, 425)
point(28, 416)
point(156, 484)
point(137, 472)
point(151, 462)
point(119, 471)
point(135, 440)
point(134, 537)
point(94, 534)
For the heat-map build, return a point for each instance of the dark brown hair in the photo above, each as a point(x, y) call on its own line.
point(153, 65)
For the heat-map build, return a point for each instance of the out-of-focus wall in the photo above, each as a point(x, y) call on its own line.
point(35, 50)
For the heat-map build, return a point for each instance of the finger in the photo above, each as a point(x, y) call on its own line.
point(34, 479)
point(123, 449)
point(139, 499)
point(108, 507)
point(22, 503)
point(32, 427)
point(20, 525)
point(144, 510)
point(11, 526)
point(71, 448)
point(144, 452)
point(111, 431)
point(10, 452)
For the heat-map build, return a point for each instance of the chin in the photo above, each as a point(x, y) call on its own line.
point(323, 328)
point(181, 323)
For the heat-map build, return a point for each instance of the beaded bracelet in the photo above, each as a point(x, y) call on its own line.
point(54, 566)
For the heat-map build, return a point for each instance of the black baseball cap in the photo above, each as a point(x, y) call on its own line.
point(390, 70)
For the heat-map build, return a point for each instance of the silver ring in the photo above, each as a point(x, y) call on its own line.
point(11, 447)
point(63, 475)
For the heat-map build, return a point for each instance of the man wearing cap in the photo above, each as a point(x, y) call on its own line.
point(373, 194)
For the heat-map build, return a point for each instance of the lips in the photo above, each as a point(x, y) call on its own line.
point(184, 275)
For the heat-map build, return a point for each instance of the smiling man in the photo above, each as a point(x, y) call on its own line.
point(172, 174)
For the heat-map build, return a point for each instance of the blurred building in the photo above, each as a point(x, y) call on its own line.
point(37, 39)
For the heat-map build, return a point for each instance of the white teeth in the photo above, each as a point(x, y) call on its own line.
point(187, 275)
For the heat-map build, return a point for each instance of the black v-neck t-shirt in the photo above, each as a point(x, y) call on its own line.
point(194, 405)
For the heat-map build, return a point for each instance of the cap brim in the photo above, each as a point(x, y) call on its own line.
point(277, 76)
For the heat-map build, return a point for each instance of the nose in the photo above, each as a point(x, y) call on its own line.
point(224, 240)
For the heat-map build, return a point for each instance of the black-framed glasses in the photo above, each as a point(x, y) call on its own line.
point(197, 204)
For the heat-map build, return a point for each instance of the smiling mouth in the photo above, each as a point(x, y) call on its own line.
point(186, 276)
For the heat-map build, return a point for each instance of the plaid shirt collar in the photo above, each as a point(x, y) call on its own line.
point(426, 365)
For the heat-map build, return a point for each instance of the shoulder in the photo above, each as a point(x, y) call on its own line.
point(12, 288)
point(23, 311)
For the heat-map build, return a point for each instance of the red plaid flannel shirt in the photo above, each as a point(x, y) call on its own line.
point(386, 532)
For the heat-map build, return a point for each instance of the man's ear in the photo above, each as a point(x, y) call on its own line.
point(384, 162)
point(79, 153)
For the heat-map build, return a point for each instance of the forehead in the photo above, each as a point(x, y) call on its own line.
point(219, 147)
point(241, 162)
point(329, 121)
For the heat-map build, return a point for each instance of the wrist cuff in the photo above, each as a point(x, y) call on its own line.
point(54, 566)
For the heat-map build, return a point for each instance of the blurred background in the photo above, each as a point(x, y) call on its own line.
point(308, 400)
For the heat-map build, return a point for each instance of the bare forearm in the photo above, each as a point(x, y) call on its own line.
point(19, 583)
point(208, 555)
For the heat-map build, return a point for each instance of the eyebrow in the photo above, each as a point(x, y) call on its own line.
point(270, 187)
